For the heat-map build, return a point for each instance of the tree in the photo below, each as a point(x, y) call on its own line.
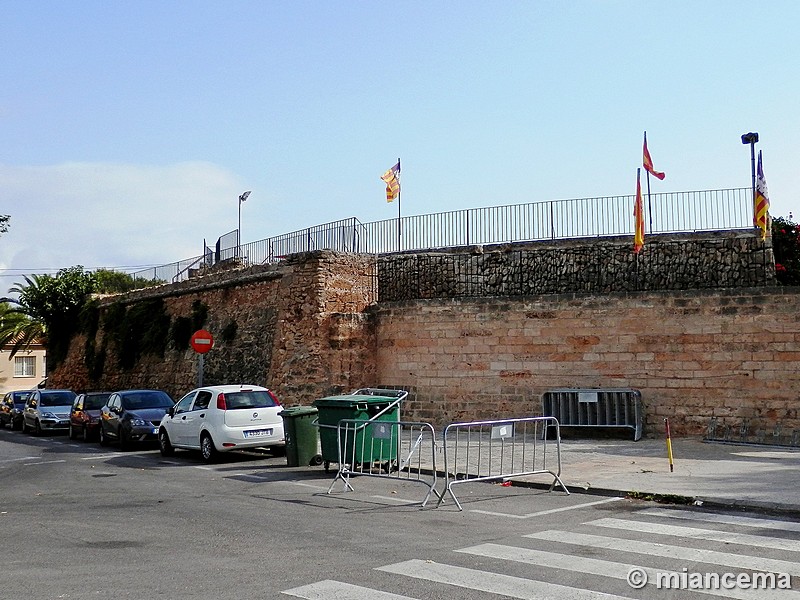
point(48, 310)
point(116, 282)
point(786, 248)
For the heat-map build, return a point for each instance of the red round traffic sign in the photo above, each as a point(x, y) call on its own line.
point(202, 341)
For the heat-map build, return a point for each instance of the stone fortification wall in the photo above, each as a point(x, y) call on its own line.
point(692, 322)
point(734, 354)
point(298, 327)
point(725, 259)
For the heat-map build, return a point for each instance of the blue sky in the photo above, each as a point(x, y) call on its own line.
point(131, 128)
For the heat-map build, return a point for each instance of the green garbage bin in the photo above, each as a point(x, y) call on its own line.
point(302, 441)
point(361, 443)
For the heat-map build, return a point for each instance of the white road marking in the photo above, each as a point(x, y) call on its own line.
point(336, 590)
point(547, 512)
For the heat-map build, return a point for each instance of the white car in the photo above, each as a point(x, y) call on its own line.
point(221, 418)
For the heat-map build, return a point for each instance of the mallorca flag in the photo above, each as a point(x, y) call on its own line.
point(647, 162)
point(761, 201)
point(638, 217)
point(392, 180)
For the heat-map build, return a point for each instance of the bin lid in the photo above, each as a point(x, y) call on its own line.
point(349, 400)
point(298, 411)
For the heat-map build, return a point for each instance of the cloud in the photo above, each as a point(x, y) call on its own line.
point(112, 215)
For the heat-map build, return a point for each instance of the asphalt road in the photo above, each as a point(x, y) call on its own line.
point(81, 521)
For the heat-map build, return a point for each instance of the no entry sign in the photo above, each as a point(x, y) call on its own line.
point(202, 341)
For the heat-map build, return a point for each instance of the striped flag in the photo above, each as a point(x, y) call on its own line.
point(392, 180)
point(761, 212)
point(638, 216)
point(647, 162)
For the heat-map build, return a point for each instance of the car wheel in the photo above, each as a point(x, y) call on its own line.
point(25, 428)
point(124, 442)
point(85, 436)
point(72, 434)
point(37, 428)
point(207, 449)
point(167, 449)
point(103, 438)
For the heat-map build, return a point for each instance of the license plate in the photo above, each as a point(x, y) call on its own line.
point(258, 433)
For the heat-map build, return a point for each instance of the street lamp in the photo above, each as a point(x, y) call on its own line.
point(751, 138)
point(242, 198)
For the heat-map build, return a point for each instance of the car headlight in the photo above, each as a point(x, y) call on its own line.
point(48, 415)
point(138, 422)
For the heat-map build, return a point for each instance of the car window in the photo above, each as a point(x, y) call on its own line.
point(95, 401)
point(249, 399)
point(78, 404)
point(146, 399)
point(184, 404)
point(203, 398)
point(57, 398)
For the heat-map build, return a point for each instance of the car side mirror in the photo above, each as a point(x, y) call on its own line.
point(171, 411)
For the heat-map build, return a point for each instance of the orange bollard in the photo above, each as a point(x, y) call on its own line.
point(669, 445)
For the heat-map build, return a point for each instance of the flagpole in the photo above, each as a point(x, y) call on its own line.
point(649, 202)
point(399, 232)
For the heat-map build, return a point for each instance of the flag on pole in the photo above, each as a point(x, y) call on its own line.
point(638, 216)
point(761, 212)
point(647, 162)
point(392, 180)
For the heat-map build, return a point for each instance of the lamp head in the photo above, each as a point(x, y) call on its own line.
point(750, 138)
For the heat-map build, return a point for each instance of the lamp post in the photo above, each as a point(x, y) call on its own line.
point(242, 198)
point(752, 138)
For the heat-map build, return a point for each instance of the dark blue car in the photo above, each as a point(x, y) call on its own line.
point(11, 409)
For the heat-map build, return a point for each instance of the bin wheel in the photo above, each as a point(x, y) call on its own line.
point(327, 465)
point(316, 461)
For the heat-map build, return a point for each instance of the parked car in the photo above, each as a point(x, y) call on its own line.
point(11, 409)
point(47, 410)
point(133, 416)
point(222, 418)
point(84, 419)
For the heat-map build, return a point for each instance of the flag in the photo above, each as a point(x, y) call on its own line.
point(638, 217)
point(761, 208)
point(392, 180)
point(244, 196)
point(647, 162)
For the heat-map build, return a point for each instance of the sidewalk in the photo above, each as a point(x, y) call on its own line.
point(742, 475)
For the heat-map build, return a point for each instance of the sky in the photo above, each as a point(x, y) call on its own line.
point(131, 128)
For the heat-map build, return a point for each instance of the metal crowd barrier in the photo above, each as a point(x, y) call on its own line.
point(401, 450)
point(595, 408)
point(489, 450)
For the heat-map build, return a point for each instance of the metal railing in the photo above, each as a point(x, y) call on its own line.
point(491, 450)
point(398, 450)
point(553, 219)
point(596, 408)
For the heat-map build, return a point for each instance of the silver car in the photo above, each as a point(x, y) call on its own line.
point(47, 410)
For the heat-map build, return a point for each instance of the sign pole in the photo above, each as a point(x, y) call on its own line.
point(200, 366)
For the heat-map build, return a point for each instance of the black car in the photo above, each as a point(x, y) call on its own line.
point(133, 416)
point(11, 409)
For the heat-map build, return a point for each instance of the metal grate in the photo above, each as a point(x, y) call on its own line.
point(595, 408)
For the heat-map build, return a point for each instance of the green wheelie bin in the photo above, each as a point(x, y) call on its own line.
point(302, 439)
point(361, 442)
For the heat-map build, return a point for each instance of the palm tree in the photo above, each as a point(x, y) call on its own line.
point(20, 325)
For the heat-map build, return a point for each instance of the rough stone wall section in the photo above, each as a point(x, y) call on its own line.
point(300, 328)
point(733, 354)
point(723, 259)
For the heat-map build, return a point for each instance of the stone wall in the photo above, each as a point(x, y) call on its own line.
point(300, 328)
point(467, 342)
point(733, 354)
point(723, 259)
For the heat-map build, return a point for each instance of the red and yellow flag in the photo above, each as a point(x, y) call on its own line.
point(761, 207)
point(392, 180)
point(647, 162)
point(638, 216)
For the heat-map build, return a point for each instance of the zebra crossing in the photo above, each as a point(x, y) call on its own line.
point(557, 563)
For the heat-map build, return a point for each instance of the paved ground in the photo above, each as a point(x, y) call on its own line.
point(737, 475)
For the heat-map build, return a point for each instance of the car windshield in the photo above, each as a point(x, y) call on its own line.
point(139, 400)
point(57, 398)
point(20, 397)
point(95, 401)
point(249, 399)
